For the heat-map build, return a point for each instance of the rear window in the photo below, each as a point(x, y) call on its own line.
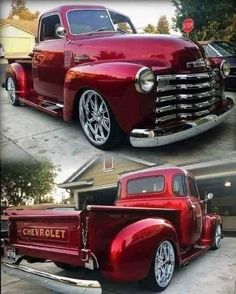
point(145, 185)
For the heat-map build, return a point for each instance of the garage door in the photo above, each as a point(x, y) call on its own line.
point(13, 45)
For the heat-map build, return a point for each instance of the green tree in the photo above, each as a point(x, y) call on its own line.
point(21, 181)
point(212, 17)
point(18, 8)
point(163, 25)
point(150, 29)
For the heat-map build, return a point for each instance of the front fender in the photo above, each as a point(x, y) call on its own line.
point(114, 81)
point(134, 247)
point(21, 77)
point(209, 224)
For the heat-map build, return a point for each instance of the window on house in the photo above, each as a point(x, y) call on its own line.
point(108, 163)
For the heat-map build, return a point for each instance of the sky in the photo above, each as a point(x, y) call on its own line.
point(140, 12)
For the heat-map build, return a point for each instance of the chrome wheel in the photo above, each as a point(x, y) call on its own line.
point(94, 117)
point(11, 91)
point(164, 264)
point(218, 236)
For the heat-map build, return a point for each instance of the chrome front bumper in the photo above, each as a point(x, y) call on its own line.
point(151, 138)
point(54, 282)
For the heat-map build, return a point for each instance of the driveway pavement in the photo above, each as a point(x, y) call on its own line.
point(213, 272)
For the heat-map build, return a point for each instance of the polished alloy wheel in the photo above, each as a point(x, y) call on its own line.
point(11, 90)
point(164, 264)
point(218, 236)
point(94, 117)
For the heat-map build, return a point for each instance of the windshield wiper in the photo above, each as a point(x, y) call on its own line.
point(121, 31)
point(103, 29)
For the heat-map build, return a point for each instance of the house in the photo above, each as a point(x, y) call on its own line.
point(97, 179)
point(18, 36)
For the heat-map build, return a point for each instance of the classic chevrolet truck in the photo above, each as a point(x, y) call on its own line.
point(89, 62)
point(158, 222)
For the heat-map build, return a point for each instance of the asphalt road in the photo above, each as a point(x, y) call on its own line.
point(27, 132)
point(213, 272)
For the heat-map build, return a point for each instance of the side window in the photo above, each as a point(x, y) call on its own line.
point(119, 190)
point(121, 23)
point(179, 185)
point(192, 188)
point(48, 27)
point(209, 51)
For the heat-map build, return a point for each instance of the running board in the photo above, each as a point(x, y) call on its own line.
point(55, 109)
point(186, 257)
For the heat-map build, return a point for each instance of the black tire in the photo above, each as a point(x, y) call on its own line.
point(11, 90)
point(217, 237)
point(98, 122)
point(153, 282)
point(65, 266)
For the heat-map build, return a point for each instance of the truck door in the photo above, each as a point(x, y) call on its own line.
point(48, 59)
point(196, 218)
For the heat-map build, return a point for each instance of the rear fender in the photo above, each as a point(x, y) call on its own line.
point(22, 78)
point(134, 247)
point(115, 82)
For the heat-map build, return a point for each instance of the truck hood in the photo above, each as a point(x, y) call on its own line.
point(156, 51)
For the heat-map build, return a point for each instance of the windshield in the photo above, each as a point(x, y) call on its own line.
point(224, 48)
point(88, 21)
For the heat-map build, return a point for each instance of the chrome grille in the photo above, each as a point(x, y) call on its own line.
point(186, 96)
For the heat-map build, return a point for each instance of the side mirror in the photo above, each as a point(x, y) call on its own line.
point(60, 32)
point(209, 196)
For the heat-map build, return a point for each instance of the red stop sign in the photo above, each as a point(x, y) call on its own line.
point(188, 25)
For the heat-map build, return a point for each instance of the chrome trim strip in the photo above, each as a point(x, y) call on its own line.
point(184, 87)
point(165, 118)
point(150, 137)
point(165, 108)
point(184, 76)
point(186, 96)
point(57, 283)
point(181, 106)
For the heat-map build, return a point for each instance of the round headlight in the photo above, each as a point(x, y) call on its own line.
point(225, 68)
point(144, 80)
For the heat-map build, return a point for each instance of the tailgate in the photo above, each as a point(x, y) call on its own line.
point(46, 235)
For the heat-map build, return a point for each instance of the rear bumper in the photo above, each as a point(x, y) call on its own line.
point(54, 282)
point(151, 138)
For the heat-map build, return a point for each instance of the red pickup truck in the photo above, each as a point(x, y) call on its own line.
point(89, 62)
point(158, 222)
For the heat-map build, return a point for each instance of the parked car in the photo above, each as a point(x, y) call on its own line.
point(157, 223)
point(2, 51)
point(226, 51)
point(156, 90)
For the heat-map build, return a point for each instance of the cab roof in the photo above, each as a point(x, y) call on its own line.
point(65, 8)
point(153, 171)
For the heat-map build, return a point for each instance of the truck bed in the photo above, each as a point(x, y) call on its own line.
point(58, 236)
